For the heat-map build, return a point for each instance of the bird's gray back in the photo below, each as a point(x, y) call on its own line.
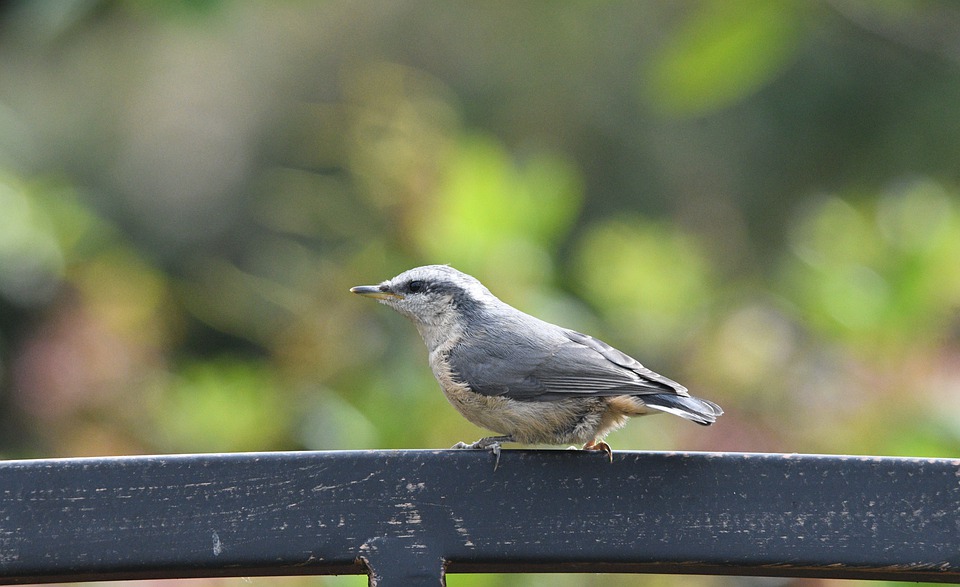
point(506, 352)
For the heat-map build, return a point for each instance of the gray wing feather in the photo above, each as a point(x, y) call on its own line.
point(567, 364)
point(651, 379)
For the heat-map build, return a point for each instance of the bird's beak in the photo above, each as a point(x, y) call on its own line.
point(374, 291)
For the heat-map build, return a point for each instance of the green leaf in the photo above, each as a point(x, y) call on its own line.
point(723, 53)
point(493, 208)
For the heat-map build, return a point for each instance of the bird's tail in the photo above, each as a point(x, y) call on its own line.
point(692, 408)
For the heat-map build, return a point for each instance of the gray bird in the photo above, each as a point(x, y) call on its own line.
point(530, 381)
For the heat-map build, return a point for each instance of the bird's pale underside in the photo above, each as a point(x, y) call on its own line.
point(530, 381)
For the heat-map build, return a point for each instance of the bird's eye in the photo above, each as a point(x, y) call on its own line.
point(415, 286)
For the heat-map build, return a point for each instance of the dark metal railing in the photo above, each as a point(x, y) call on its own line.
point(409, 517)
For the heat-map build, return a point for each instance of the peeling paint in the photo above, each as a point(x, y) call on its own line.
point(217, 545)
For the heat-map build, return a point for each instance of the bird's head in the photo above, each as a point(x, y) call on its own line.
point(432, 296)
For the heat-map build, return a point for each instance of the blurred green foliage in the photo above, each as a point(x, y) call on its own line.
point(723, 52)
point(651, 281)
point(757, 198)
point(495, 217)
point(882, 275)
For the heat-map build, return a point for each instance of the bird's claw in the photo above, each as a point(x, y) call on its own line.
point(495, 449)
point(491, 442)
point(599, 445)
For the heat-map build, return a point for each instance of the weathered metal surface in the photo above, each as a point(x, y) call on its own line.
point(406, 516)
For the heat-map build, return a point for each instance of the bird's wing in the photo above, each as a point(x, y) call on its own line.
point(623, 372)
point(570, 365)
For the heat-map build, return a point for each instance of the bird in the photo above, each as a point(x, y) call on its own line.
point(528, 380)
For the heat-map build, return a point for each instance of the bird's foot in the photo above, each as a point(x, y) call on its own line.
point(490, 442)
point(599, 445)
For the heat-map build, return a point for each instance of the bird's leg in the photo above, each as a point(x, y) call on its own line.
point(599, 445)
point(491, 442)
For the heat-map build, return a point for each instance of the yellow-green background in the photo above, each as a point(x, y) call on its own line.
point(760, 199)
